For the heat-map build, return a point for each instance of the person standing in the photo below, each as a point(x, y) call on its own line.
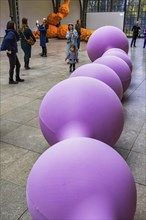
point(71, 36)
point(135, 30)
point(78, 28)
point(25, 34)
point(43, 38)
point(72, 57)
point(144, 43)
point(10, 45)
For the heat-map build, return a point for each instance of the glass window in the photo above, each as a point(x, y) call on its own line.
point(135, 10)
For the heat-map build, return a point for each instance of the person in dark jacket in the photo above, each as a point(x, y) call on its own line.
point(78, 29)
point(135, 30)
point(25, 34)
point(43, 36)
point(10, 45)
point(72, 57)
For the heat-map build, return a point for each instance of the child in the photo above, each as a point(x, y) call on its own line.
point(72, 57)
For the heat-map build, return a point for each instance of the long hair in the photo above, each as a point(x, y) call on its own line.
point(10, 25)
point(24, 24)
point(69, 26)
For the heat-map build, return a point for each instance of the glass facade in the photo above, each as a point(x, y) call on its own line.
point(135, 10)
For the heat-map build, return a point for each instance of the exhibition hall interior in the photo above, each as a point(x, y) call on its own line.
point(73, 109)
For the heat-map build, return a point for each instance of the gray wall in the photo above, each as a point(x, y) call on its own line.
point(99, 19)
point(4, 16)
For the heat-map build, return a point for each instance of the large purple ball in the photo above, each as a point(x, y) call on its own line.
point(103, 73)
point(116, 49)
point(105, 38)
point(121, 55)
point(81, 107)
point(78, 179)
point(119, 66)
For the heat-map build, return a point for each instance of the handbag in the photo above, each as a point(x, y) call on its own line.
point(30, 41)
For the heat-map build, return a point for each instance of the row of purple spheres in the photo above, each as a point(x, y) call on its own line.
point(81, 176)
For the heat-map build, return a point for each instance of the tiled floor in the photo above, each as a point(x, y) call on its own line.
point(22, 141)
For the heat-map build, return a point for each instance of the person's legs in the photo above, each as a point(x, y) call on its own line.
point(78, 42)
point(132, 42)
point(144, 43)
point(26, 57)
point(12, 62)
point(27, 67)
point(45, 51)
point(135, 41)
point(74, 66)
point(18, 79)
point(70, 68)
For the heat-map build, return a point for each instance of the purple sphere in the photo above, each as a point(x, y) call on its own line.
point(81, 107)
point(78, 179)
point(117, 49)
point(121, 55)
point(103, 73)
point(119, 66)
point(105, 38)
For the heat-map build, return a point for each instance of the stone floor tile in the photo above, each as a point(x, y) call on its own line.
point(19, 170)
point(127, 139)
point(10, 154)
point(33, 93)
point(7, 126)
point(25, 216)
point(28, 138)
point(141, 202)
point(140, 143)
point(20, 115)
point(12, 200)
point(13, 102)
point(137, 163)
point(34, 122)
point(34, 106)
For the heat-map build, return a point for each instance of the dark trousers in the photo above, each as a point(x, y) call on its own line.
point(27, 54)
point(78, 42)
point(134, 40)
point(144, 43)
point(44, 51)
point(72, 65)
point(13, 61)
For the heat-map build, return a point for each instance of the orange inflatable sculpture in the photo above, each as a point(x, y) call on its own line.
point(60, 32)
